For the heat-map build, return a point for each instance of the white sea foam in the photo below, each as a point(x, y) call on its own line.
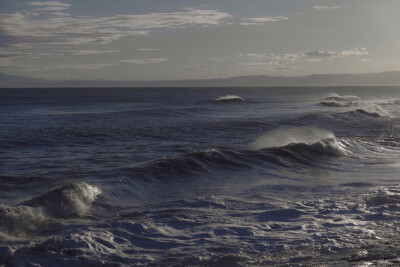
point(65, 201)
point(229, 99)
point(336, 97)
point(71, 200)
point(301, 139)
point(371, 111)
point(288, 135)
point(21, 220)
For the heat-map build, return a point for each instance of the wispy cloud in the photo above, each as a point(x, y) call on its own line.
point(326, 7)
point(50, 8)
point(261, 21)
point(149, 49)
point(273, 57)
point(268, 62)
point(49, 3)
point(61, 28)
point(311, 54)
point(8, 58)
point(267, 66)
point(71, 66)
point(289, 60)
point(5, 62)
point(144, 60)
point(30, 53)
point(334, 54)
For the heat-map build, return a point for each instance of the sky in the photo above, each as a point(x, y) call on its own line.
point(197, 39)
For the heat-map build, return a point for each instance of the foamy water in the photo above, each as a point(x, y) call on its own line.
point(295, 176)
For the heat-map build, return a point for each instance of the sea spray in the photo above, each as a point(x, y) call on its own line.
point(337, 97)
point(67, 201)
point(230, 99)
point(300, 138)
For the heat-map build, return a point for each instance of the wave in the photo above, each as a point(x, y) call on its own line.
point(383, 196)
point(338, 104)
point(300, 146)
point(67, 201)
point(383, 203)
point(392, 102)
point(330, 147)
point(188, 164)
point(337, 97)
point(351, 116)
point(374, 111)
point(301, 140)
point(230, 99)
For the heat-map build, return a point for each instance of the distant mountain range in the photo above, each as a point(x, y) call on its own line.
point(367, 79)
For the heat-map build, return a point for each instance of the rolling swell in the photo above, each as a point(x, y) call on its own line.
point(305, 150)
point(337, 97)
point(374, 111)
point(68, 201)
point(189, 164)
point(338, 104)
point(356, 115)
point(325, 147)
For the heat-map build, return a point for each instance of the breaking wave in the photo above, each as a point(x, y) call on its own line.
point(301, 139)
point(67, 201)
point(374, 111)
point(229, 99)
point(274, 148)
point(328, 146)
point(351, 116)
point(392, 102)
point(337, 97)
point(339, 104)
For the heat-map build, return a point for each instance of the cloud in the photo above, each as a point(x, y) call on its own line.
point(333, 54)
point(63, 29)
point(71, 66)
point(289, 60)
point(149, 49)
point(49, 3)
point(5, 62)
point(326, 7)
point(267, 66)
point(144, 60)
point(7, 57)
point(273, 57)
point(89, 66)
point(269, 62)
point(49, 8)
point(30, 53)
point(310, 54)
point(261, 21)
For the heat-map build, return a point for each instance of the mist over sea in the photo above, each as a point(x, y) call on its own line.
point(200, 176)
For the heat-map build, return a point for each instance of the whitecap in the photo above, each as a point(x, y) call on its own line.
point(230, 99)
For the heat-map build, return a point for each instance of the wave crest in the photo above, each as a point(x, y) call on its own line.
point(338, 104)
point(374, 111)
point(328, 146)
point(300, 139)
point(230, 99)
point(67, 201)
point(337, 97)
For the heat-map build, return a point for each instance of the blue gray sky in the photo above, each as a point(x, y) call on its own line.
point(185, 39)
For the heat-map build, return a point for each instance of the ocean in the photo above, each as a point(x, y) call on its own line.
point(200, 176)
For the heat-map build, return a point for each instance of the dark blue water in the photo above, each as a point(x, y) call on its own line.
point(199, 176)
